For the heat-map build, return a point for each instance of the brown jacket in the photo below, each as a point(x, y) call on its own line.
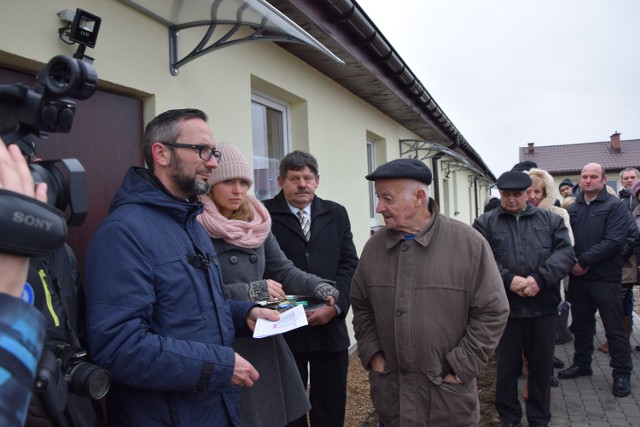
point(431, 304)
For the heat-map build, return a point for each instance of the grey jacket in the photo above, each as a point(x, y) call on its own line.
point(429, 304)
point(278, 397)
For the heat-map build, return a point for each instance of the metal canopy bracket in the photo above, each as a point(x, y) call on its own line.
point(262, 21)
point(481, 181)
point(424, 149)
point(453, 165)
point(450, 160)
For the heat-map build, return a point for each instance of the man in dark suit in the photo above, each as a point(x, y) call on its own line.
point(315, 235)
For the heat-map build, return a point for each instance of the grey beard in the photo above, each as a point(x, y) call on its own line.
point(187, 184)
point(200, 188)
point(190, 186)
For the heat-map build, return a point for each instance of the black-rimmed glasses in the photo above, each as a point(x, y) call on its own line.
point(204, 151)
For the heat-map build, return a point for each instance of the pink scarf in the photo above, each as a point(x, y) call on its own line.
point(246, 234)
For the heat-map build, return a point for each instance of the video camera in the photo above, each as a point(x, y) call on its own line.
point(64, 378)
point(25, 227)
point(26, 113)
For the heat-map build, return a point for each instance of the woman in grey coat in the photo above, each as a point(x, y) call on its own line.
point(255, 269)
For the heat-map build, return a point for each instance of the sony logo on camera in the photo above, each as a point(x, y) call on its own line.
point(31, 221)
point(28, 226)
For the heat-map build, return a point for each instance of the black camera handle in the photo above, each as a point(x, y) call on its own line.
point(29, 227)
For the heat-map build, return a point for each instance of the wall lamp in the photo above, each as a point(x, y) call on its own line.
point(82, 28)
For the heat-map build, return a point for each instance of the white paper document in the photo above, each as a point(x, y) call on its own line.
point(289, 320)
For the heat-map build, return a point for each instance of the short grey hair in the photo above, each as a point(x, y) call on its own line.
point(413, 186)
point(634, 170)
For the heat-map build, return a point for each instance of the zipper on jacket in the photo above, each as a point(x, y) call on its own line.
point(519, 241)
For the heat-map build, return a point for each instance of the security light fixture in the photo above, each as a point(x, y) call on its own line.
point(85, 27)
point(82, 28)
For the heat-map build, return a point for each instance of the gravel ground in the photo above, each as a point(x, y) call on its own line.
point(360, 412)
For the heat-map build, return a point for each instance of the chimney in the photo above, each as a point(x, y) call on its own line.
point(530, 147)
point(615, 142)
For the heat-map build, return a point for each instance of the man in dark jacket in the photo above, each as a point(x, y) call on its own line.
point(57, 293)
point(533, 252)
point(628, 177)
point(316, 235)
point(157, 318)
point(600, 224)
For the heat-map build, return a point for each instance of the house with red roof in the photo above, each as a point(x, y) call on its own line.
point(567, 160)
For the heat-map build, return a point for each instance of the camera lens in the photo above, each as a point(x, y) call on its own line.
point(66, 76)
point(89, 380)
point(60, 75)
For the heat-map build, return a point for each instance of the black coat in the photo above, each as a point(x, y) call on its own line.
point(534, 244)
point(629, 201)
point(330, 254)
point(600, 229)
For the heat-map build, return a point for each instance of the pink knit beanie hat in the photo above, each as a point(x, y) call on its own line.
point(232, 165)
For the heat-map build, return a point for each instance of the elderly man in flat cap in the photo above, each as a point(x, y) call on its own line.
point(428, 305)
point(533, 252)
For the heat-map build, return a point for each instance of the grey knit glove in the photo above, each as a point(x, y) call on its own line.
point(324, 290)
point(258, 291)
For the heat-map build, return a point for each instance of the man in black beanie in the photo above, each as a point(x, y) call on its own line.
point(566, 187)
point(524, 166)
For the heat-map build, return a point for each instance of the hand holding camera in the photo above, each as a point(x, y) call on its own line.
point(15, 179)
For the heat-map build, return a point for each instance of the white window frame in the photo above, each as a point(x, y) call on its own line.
point(259, 155)
point(371, 166)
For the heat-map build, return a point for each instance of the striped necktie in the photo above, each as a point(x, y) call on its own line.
point(304, 223)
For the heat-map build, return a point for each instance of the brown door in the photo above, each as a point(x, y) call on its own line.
point(106, 138)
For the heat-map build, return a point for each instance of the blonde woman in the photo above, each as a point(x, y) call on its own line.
point(542, 194)
point(255, 269)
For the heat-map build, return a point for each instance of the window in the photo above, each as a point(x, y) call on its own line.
point(270, 126)
point(371, 166)
point(445, 196)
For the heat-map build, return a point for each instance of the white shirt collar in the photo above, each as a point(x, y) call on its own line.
point(306, 209)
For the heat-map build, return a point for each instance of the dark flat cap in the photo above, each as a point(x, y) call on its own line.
point(565, 182)
point(514, 180)
point(524, 166)
point(402, 168)
point(493, 203)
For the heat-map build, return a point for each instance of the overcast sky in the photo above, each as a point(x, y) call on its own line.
point(509, 72)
